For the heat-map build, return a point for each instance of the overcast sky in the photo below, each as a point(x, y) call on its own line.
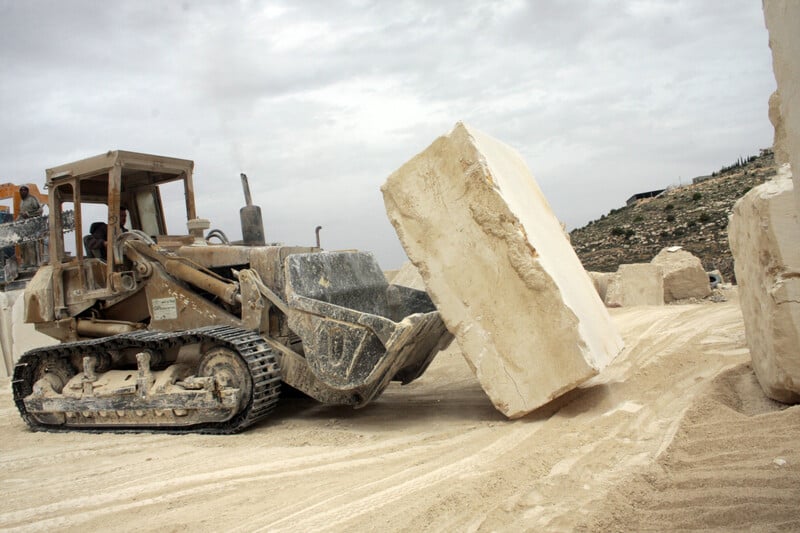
point(319, 101)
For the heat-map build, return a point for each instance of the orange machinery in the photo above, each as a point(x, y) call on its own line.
point(11, 191)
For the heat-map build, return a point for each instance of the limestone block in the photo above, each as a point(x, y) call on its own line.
point(6, 364)
point(601, 281)
point(783, 20)
point(779, 140)
point(408, 276)
point(764, 234)
point(684, 275)
point(636, 284)
point(499, 269)
point(24, 336)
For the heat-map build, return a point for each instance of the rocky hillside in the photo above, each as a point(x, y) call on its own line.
point(693, 216)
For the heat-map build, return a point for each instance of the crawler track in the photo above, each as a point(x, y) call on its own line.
point(250, 346)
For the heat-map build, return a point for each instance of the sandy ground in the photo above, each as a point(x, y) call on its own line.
point(675, 435)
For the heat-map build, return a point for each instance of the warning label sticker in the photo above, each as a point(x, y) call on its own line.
point(165, 309)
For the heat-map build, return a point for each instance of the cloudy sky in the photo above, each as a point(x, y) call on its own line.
point(319, 101)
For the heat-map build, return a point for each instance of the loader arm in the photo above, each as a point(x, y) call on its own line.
point(185, 270)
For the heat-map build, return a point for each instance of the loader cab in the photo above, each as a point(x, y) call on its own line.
point(97, 190)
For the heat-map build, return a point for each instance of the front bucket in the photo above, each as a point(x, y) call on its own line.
point(358, 332)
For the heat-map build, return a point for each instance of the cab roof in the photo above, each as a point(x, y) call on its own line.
point(147, 168)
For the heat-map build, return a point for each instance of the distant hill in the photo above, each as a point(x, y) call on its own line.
point(693, 216)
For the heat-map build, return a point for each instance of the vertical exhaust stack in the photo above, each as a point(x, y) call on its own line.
point(250, 216)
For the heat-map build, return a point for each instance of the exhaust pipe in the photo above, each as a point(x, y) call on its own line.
point(250, 216)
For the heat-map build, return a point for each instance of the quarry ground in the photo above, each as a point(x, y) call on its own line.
point(674, 435)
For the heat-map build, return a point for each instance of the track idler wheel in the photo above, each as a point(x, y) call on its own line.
point(229, 371)
point(52, 375)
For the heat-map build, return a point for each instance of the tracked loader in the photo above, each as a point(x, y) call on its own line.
point(192, 332)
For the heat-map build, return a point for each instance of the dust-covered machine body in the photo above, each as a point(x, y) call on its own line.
point(193, 332)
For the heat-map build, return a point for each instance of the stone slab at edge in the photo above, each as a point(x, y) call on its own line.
point(764, 235)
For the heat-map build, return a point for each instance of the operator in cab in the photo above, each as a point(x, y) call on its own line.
point(97, 240)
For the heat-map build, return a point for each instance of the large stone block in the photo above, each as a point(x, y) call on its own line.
point(783, 20)
point(764, 234)
point(636, 284)
point(501, 272)
point(684, 275)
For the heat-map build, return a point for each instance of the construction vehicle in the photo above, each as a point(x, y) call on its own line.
point(10, 253)
point(181, 333)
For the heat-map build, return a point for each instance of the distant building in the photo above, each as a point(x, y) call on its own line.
point(642, 195)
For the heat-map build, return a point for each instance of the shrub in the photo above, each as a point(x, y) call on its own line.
point(696, 196)
point(617, 231)
point(669, 207)
point(704, 217)
point(629, 233)
point(670, 218)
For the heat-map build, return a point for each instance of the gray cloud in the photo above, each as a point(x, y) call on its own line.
point(319, 101)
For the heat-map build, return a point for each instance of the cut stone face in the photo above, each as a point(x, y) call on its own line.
point(636, 284)
point(501, 272)
point(783, 19)
point(684, 275)
point(779, 140)
point(764, 234)
point(5, 336)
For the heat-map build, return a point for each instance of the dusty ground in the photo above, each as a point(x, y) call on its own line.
point(674, 435)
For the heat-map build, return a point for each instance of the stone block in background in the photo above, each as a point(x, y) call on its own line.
point(684, 275)
point(636, 284)
point(601, 281)
point(408, 276)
